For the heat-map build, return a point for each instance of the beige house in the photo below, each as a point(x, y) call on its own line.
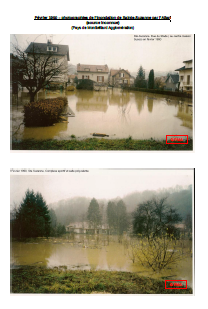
point(96, 73)
point(120, 78)
point(59, 56)
point(186, 76)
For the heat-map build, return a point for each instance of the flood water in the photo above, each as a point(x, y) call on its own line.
point(89, 252)
point(117, 113)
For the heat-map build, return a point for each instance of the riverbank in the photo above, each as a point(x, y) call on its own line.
point(60, 281)
point(99, 144)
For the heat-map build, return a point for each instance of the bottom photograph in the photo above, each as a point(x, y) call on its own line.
point(102, 231)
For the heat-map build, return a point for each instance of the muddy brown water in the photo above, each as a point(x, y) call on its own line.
point(116, 113)
point(89, 252)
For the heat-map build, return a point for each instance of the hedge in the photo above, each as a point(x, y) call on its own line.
point(43, 112)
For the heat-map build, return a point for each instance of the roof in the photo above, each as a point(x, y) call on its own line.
point(41, 48)
point(92, 68)
point(174, 77)
point(114, 72)
point(182, 69)
point(187, 61)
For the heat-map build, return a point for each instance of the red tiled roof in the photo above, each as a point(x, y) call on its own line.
point(92, 68)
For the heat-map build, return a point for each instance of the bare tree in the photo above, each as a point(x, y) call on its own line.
point(37, 70)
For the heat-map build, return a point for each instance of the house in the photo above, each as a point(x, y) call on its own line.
point(96, 73)
point(120, 78)
point(172, 82)
point(185, 76)
point(85, 228)
point(59, 56)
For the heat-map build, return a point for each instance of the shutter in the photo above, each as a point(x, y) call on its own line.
point(82, 76)
point(97, 78)
point(88, 76)
point(102, 78)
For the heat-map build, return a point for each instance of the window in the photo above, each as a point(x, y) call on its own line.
point(121, 74)
point(100, 79)
point(85, 76)
point(86, 69)
point(55, 61)
point(181, 78)
point(99, 70)
point(51, 48)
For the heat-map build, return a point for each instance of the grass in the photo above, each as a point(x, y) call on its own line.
point(56, 281)
point(99, 144)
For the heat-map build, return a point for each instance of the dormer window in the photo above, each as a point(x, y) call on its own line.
point(51, 48)
point(99, 70)
point(55, 61)
point(86, 69)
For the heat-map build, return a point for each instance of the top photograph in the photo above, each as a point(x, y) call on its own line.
point(109, 92)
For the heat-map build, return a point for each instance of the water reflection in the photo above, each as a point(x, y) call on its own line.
point(139, 99)
point(92, 101)
point(185, 114)
point(117, 113)
point(36, 253)
point(150, 104)
point(85, 252)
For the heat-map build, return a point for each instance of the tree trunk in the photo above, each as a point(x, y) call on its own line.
point(32, 97)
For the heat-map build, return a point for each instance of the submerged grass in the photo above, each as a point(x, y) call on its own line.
point(99, 144)
point(42, 280)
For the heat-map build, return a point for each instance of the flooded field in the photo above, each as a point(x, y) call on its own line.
point(89, 252)
point(117, 113)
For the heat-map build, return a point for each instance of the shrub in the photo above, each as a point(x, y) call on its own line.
point(70, 88)
point(44, 112)
point(158, 253)
point(85, 84)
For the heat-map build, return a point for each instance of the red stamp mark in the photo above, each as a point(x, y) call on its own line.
point(176, 284)
point(177, 139)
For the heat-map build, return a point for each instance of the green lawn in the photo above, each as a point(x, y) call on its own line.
point(99, 144)
point(60, 281)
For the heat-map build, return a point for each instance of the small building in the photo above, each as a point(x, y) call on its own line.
point(96, 73)
point(121, 77)
point(172, 82)
point(85, 228)
point(185, 76)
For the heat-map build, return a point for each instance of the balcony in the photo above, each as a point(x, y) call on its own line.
point(188, 84)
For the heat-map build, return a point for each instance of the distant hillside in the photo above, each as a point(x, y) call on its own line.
point(181, 199)
point(156, 73)
point(75, 209)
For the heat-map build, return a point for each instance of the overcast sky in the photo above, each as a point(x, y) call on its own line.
point(119, 50)
point(98, 183)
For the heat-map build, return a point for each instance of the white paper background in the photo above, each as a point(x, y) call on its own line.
point(187, 17)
